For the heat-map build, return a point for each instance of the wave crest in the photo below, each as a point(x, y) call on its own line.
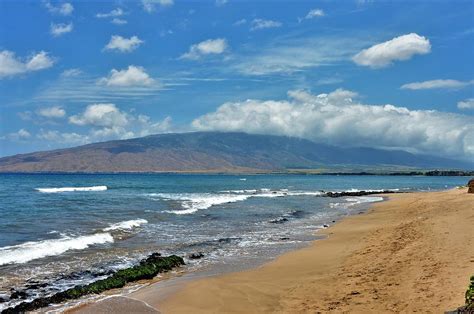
point(126, 225)
point(28, 251)
point(73, 189)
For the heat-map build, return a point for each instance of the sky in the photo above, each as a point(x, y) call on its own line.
point(390, 75)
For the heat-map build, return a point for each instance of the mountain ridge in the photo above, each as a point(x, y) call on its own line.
point(215, 152)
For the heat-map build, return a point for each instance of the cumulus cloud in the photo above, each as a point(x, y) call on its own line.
point(397, 49)
point(262, 24)
point(51, 112)
point(314, 13)
point(132, 76)
point(437, 84)
point(118, 21)
point(10, 65)
point(123, 44)
point(466, 104)
point(20, 135)
point(62, 9)
point(206, 47)
point(114, 13)
point(60, 29)
point(150, 5)
point(337, 118)
point(107, 121)
point(102, 115)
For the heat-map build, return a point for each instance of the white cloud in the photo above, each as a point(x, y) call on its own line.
point(51, 112)
point(397, 49)
point(71, 73)
point(466, 104)
point(262, 24)
point(123, 44)
point(106, 121)
point(220, 3)
point(60, 29)
point(20, 135)
point(62, 9)
point(118, 21)
point(437, 84)
point(101, 115)
point(240, 22)
point(25, 115)
point(290, 55)
point(114, 13)
point(132, 76)
point(10, 65)
point(314, 13)
point(337, 119)
point(62, 138)
point(207, 47)
point(150, 5)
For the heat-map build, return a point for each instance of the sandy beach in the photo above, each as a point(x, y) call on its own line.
point(412, 253)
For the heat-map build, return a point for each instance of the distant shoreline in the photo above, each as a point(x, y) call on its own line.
point(315, 172)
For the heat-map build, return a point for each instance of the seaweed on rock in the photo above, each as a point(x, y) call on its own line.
point(147, 269)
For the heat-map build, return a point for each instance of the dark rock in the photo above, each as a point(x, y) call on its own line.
point(325, 226)
point(278, 220)
point(18, 295)
point(147, 269)
point(34, 286)
point(358, 193)
point(197, 255)
point(470, 185)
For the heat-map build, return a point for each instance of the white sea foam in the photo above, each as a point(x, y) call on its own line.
point(126, 225)
point(28, 251)
point(73, 189)
point(364, 199)
point(192, 202)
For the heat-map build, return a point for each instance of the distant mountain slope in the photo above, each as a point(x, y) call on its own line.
point(213, 151)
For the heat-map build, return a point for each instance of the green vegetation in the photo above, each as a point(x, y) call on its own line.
point(147, 269)
point(470, 295)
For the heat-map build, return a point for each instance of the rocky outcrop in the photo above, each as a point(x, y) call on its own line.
point(470, 185)
point(147, 269)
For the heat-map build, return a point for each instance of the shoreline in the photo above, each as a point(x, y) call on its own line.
point(414, 252)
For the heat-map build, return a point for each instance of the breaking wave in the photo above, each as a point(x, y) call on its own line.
point(28, 251)
point(126, 225)
point(192, 202)
point(73, 189)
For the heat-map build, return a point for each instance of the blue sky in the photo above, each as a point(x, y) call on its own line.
point(394, 75)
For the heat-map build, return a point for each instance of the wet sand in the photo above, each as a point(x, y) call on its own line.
point(414, 252)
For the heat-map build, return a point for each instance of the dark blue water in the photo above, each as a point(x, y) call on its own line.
point(48, 232)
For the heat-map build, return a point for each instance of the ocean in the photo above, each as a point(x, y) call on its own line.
point(58, 231)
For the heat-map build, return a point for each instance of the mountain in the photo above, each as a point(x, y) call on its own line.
point(215, 152)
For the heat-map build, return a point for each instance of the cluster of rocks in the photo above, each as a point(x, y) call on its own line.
point(146, 269)
point(358, 193)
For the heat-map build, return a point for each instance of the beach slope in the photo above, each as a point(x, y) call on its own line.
point(412, 253)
